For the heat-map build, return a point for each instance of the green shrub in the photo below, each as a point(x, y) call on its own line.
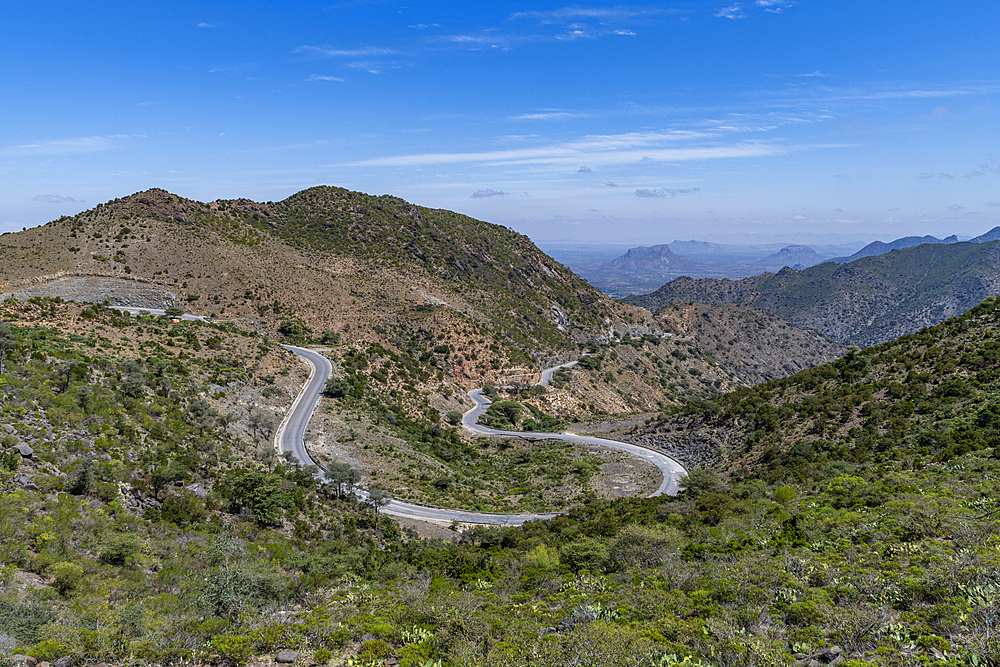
point(23, 619)
point(68, 576)
point(242, 588)
point(373, 650)
point(805, 613)
point(235, 649)
point(121, 550)
point(586, 554)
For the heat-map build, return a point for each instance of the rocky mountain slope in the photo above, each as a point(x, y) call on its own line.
point(333, 265)
point(876, 248)
point(865, 302)
point(755, 346)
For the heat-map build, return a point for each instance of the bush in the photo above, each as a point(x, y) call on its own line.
point(23, 619)
point(234, 649)
point(121, 550)
point(236, 590)
point(587, 554)
point(642, 546)
point(68, 576)
point(184, 509)
point(373, 651)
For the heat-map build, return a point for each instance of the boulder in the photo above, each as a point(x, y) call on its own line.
point(285, 657)
point(25, 660)
point(64, 661)
point(10, 429)
point(25, 451)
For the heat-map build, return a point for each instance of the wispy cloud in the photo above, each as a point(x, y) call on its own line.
point(584, 170)
point(54, 199)
point(62, 146)
point(206, 25)
point(774, 6)
point(328, 52)
point(320, 77)
point(565, 155)
point(549, 115)
point(734, 11)
point(617, 13)
point(664, 192)
point(485, 194)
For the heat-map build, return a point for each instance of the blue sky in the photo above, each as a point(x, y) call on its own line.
point(766, 119)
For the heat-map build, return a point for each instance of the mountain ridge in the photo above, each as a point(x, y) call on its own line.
point(865, 302)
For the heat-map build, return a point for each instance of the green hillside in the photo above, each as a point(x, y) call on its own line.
point(858, 521)
point(865, 302)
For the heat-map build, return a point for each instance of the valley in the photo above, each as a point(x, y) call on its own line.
point(684, 483)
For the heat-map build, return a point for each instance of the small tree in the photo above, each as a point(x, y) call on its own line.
point(343, 478)
point(261, 423)
point(701, 480)
point(378, 499)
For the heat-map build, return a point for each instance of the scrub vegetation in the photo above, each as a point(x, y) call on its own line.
point(142, 524)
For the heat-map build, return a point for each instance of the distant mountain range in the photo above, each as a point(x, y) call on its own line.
point(864, 302)
point(643, 269)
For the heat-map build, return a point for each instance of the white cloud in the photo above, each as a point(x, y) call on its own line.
point(320, 77)
point(483, 194)
point(62, 146)
point(206, 25)
point(617, 13)
point(664, 192)
point(54, 199)
point(775, 6)
point(600, 151)
point(328, 52)
point(549, 115)
point(734, 11)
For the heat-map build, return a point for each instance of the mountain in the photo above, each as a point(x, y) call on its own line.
point(723, 253)
point(328, 264)
point(921, 399)
point(992, 235)
point(793, 255)
point(658, 258)
point(876, 248)
point(325, 259)
point(640, 270)
point(865, 302)
point(753, 345)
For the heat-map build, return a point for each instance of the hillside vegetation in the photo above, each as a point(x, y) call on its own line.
point(140, 524)
point(865, 302)
point(328, 264)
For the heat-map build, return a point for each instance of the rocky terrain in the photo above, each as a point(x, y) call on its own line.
point(865, 302)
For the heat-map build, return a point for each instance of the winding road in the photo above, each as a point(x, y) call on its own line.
point(290, 437)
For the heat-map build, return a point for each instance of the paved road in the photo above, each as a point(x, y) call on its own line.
point(159, 311)
point(671, 470)
point(289, 437)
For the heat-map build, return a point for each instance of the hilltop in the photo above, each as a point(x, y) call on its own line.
point(331, 265)
point(865, 302)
